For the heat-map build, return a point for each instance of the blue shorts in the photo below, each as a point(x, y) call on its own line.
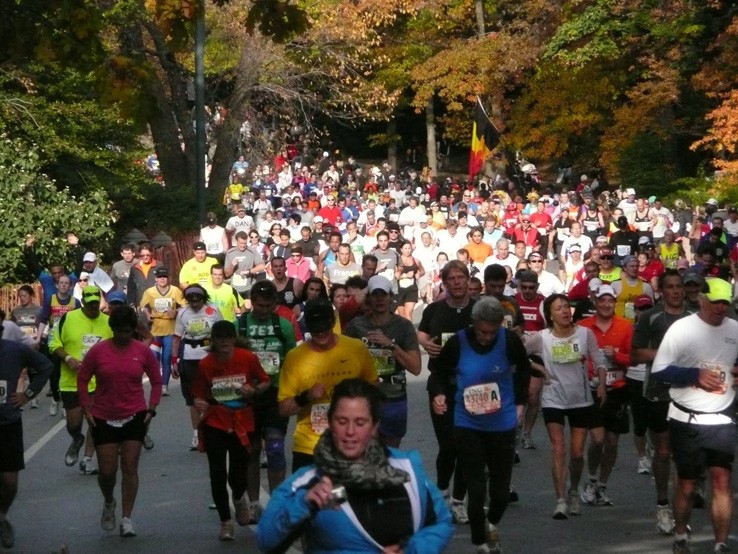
point(393, 420)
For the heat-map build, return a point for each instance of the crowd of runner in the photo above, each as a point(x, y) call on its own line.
point(584, 306)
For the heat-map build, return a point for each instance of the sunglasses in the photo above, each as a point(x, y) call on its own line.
point(606, 257)
point(84, 280)
point(528, 287)
point(536, 261)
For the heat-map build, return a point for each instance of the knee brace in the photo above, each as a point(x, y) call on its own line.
point(274, 447)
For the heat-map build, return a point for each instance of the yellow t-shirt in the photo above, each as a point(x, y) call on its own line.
point(304, 367)
point(226, 300)
point(193, 272)
point(162, 325)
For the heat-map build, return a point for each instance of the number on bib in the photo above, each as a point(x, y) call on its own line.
point(482, 399)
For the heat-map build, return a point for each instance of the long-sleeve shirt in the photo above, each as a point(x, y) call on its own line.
point(118, 372)
point(16, 357)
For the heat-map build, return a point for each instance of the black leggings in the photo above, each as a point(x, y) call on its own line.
point(218, 445)
point(446, 464)
point(495, 451)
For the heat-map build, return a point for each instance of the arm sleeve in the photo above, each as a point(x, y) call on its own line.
point(518, 356)
point(283, 519)
point(665, 366)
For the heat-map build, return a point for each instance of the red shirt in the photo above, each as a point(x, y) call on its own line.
point(654, 268)
point(331, 215)
point(541, 220)
point(529, 237)
point(619, 336)
point(289, 315)
point(243, 367)
point(532, 313)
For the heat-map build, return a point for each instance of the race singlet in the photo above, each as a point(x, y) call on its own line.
point(482, 399)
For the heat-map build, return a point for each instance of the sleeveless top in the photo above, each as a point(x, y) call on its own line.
point(641, 223)
point(406, 282)
point(624, 306)
point(669, 254)
point(287, 296)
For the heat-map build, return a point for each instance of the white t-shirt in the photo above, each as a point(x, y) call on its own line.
point(549, 284)
point(213, 239)
point(690, 342)
point(236, 224)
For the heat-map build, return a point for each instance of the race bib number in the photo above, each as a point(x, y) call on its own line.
point(613, 376)
point(88, 341)
point(623, 250)
point(269, 361)
point(482, 399)
point(507, 323)
point(721, 372)
point(225, 389)
point(197, 327)
point(319, 418)
point(565, 351)
point(445, 337)
point(162, 304)
point(3, 392)
point(406, 282)
point(384, 360)
point(213, 247)
point(238, 280)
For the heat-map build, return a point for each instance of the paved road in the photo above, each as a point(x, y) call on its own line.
point(56, 505)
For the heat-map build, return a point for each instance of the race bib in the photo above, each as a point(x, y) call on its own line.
point(88, 341)
point(721, 372)
point(384, 360)
point(629, 311)
point(482, 399)
point(623, 250)
point(3, 392)
point(162, 304)
point(269, 361)
point(225, 389)
point(118, 423)
point(507, 322)
point(319, 418)
point(406, 282)
point(238, 280)
point(213, 247)
point(565, 351)
point(197, 327)
point(613, 376)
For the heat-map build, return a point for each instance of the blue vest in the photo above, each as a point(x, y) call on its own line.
point(476, 369)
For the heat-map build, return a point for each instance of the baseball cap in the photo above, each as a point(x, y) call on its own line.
point(628, 259)
point(118, 297)
point(630, 192)
point(693, 276)
point(605, 290)
point(240, 209)
point(643, 301)
point(89, 257)
point(319, 315)
point(161, 272)
point(718, 290)
point(575, 248)
point(393, 226)
point(199, 245)
point(601, 238)
point(379, 282)
point(91, 294)
point(712, 202)
point(318, 219)
point(642, 241)
point(594, 284)
point(535, 255)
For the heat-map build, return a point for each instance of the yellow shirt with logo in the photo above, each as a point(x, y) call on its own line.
point(193, 272)
point(162, 324)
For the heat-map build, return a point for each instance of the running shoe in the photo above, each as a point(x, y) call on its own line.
point(107, 520)
point(86, 467)
point(482, 549)
point(589, 492)
point(148, 443)
point(527, 443)
point(458, 512)
point(602, 498)
point(561, 509)
point(54, 408)
point(243, 513)
point(517, 457)
point(34, 404)
point(194, 444)
point(495, 546)
point(644, 465)
point(681, 547)
point(721, 547)
point(226, 531)
point(72, 455)
point(164, 390)
point(573, 506)
point(126, 527)
point(514, 496)
point(665, 520)
point(256, 511)
point(7, 534)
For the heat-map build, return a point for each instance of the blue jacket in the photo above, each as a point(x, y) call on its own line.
point(338, 530)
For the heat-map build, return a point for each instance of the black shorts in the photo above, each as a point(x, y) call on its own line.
point(266, 413)
point(613, 415)
point(11, 453)
point(70, 399)
point(696, 447)
point(578, 417)
point(133, 430)
point(187, 372)
point(409, 294)
point(647, 414)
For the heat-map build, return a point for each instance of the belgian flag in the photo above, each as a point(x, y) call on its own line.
point(485, 137)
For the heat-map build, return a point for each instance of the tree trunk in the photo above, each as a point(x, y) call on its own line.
point(479, 9)
point(392, 146)
point(430, 126)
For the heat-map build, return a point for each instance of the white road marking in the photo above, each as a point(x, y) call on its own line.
point(40, 443)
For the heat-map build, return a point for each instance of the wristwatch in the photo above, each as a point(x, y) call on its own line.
point(30, 394)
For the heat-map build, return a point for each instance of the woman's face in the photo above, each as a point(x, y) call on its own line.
point(23, 297)
point(313, 291)
point(407, 250)
point(560, 312)
point(352, 427)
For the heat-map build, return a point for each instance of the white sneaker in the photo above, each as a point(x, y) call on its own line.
point(458, 512)
point(53, 408)
point(126, 527)
point(589, 493)
point(562, 510)
point(644, 465)
point(573, 506)
point(495, 546)
point(164, 390)
point(665, 520)
point(34, 404)
point(194, 445)
point(107, 521)
point(527, 443)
